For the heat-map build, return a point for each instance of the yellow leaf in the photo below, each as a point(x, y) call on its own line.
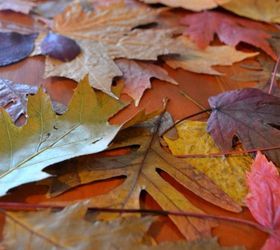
point(228, 172)
point(261, 10)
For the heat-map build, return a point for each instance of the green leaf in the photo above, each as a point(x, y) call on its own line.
point(47, 138)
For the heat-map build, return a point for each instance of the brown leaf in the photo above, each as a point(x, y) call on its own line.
point(141, 168)
point(201, 61)
point(22, 6)
point(195, 5)
point(137, 76)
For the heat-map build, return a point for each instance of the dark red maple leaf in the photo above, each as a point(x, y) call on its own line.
point(263, 199)
point(250, 114)
point(230, 29)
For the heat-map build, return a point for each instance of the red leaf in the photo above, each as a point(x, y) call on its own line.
point(264, 198)
point(230, 29)
point(137, 77)
point(251, 115)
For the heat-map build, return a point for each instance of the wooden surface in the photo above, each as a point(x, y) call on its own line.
point(198, 87)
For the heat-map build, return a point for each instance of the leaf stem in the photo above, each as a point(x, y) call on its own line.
point(187, 117)
point(15, 206)
point(230, 153)
point(274, 72)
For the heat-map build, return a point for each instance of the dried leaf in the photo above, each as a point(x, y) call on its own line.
point(60, 47)
point(93, 61)
point(141, 168)
point(227, 172)
point(194, 5)
point(137, 76)
point(264, 198)
point(230, 29)
point(249, 114)
point(267, 11)
point(15, 47)
point(47, 139)
point(106, 25)
point(13, 97)
point(201, 61)
point(68, 229)
point(22, 6)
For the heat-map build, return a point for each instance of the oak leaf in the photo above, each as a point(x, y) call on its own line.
point(47, 138)
point(264, 198)
point(137, 76)
point(227, 172)
point(68, 229)
point(13, 97)
point(22, 6)
point(201, 61)
point(141, 168)
point(15, 47)
point(195, 5)
point(267, 11)
point(250, 114)
point(230, 29)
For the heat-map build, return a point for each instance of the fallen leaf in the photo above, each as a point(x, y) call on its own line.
point(47, 139)
point(137, 76)
point(15, 47)
point(264, 198)
point(60, 47)
point(230, 29)
point(93, 61)
point(68, 229)
point(194, 5)
point(251, 115)
point(227, 172)
point(106, 25)
point(22, 6)
point(201, 61)
point(50, 9)
point(267, 11)
point(13, 97)
point(141, 168)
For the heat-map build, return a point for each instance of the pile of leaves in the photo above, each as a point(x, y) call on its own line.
point(112, 49)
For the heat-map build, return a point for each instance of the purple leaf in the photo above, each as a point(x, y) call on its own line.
point(251, 115)
point(60, 47)
point(13, 97)
point(15, 47)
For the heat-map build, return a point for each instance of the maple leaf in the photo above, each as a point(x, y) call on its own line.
point(267, 11)
point(230, 30)
point(195, 5)
point(15, 47)
point(137, 77)
point(264, 198)
point(141, 168)
point(201, 61)
point(47, 138)
point(227, 172)
point(94, 61)
point(251, 115)
point(22, 6)
point(40, 230)
point(13, 97)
